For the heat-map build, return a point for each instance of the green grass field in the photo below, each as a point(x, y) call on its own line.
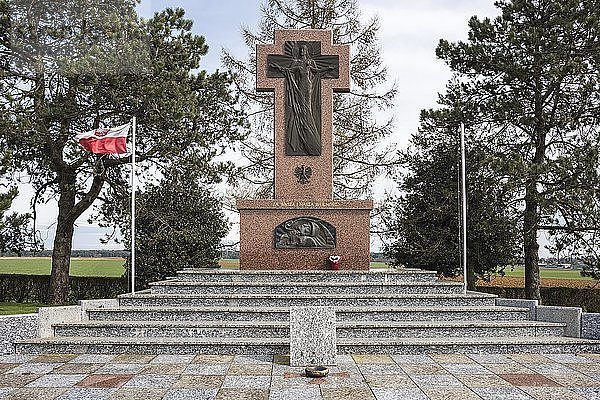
point(19, 308)
point(548, 273)
point(111, 267)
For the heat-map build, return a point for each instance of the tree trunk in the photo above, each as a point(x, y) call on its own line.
point(530, 243)
point(63, 241)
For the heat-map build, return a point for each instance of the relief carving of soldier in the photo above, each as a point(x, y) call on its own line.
point(305, 232)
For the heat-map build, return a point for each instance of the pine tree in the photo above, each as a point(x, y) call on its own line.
point(530, 79)
point(359, 155)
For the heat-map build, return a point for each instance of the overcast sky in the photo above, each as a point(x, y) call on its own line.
point(410, 31)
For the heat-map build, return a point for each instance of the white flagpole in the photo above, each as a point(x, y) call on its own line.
point(464, 205)
point(133, 206)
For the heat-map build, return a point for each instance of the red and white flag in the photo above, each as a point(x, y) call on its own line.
point(105, 140)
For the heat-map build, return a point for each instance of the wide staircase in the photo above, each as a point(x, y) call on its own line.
point(237, 312)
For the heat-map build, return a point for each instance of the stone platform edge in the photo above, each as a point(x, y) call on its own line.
point(275, 204)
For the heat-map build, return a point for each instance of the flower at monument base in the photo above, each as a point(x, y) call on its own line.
point(105, 140)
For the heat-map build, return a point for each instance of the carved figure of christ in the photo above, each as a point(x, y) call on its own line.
point(303, 67)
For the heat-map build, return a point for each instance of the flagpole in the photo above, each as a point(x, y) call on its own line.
point(133, 205)
point(464, 205)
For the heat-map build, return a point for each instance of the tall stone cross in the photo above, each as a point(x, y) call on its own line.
point(303, 68)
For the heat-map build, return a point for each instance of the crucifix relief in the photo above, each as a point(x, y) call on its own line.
point(304, 68)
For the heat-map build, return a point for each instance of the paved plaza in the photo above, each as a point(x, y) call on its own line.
point(360, 377)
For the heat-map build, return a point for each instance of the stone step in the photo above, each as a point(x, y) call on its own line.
point(287, 300)
point(376, 275)
point(274, 345)
point(295, 288)
point(382, 329)
point(270, 314)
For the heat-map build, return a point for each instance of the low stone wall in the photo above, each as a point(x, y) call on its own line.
point(590, 326)
point(16, 327)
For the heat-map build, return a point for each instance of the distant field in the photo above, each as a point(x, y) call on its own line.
point(111, 267)
point(548, 273)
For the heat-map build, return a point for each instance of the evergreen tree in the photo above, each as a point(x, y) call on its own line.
point(423, 223)
point(358, 152)
point(71, 66)
point(179, 224)
point(530, 79)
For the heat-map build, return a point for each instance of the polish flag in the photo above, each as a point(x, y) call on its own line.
point(105, 140)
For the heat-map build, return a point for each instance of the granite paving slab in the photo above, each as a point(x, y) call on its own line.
point(568, 358)
point(35, 393)
point(93, 359)
point(247, 394)
point(399, 394)
point(136, 393)
point(249, 369)
point(190, 394)
point(587, 392)
point(86, 393)
point(17, 380)
point(366, 376)
point(120, 369)
point(393, 381)
point(482, 381)
point(212, 359)
point(552, 393)
point(504, 393)
point(152, 381)
point(54, 358)
point(34, 368)
point(437, 381)
point(490, 358)
point(372, 359)
point(104, 381)
point(423, 369)
point(6, 367)
point(199, 381)
point(574, 380)
point(77, 368)
point(173, 359)
point(347, 393)
point(57, 380)
point(453, 393)
point(452, 358)
point(553, 368)
point(382, 369)
point(246, 382)
point(472, 369)
point(412, 359)
point(310, 393)
point(133, 358)
point(528, 380)
point(509, 368)
point(206, 369)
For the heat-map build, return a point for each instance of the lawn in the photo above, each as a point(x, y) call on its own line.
point(19, 308)
point(110, 267)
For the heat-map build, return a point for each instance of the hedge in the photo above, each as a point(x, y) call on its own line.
point(35, 288)
point(587, 299)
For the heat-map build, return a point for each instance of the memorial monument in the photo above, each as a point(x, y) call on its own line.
point(302, 226)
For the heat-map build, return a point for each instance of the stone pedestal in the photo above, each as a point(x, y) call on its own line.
point(260, 218)
point(313, 339)
point(303, 226)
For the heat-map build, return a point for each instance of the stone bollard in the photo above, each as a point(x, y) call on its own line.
point(313, 338)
